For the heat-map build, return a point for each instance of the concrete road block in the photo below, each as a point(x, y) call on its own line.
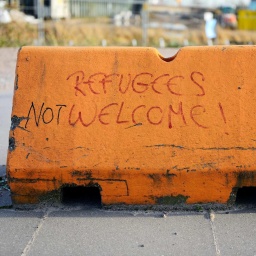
point(144, 129)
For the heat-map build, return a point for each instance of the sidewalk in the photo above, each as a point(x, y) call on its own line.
point(86, 230)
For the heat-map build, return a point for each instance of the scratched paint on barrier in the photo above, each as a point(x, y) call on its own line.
point(143, 127)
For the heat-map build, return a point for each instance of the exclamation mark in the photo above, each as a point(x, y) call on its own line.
point(223, 115)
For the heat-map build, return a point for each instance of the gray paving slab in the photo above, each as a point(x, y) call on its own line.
point(236, 233)
point(104, 233)
point(16, 230)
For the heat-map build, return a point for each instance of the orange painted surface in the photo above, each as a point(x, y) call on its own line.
point(145, 129)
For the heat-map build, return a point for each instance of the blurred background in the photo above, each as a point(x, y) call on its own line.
point(157, 23)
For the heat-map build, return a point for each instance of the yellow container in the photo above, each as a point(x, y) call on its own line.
point(247, 20)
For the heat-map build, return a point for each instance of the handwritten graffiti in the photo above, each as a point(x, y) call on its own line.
point(152, 115)
point(177, 114)
point(99, 83)
point(46, 114)
point(130, 116)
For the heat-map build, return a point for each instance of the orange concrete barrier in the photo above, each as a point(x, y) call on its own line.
point(144, 129)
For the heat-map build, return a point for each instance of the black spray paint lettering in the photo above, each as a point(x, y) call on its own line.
point(46, 114)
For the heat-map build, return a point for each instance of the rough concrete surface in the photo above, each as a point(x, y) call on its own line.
point(16, 229)
point(112, 233)
point(236, 233)
point(8, 58)
point(80, 231)
point(88, 231)
point(178, 149)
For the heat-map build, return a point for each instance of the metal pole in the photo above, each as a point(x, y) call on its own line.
point(144, 23)
point(40, 27)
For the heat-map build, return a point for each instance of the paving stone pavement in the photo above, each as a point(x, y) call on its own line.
point(89, 231)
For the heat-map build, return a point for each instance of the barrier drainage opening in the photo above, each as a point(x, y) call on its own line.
point(246, 195)
point(81, 195)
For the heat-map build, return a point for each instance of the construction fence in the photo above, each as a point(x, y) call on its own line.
point(57, 9)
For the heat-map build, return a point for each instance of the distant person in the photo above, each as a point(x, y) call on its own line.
point(210, 28)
